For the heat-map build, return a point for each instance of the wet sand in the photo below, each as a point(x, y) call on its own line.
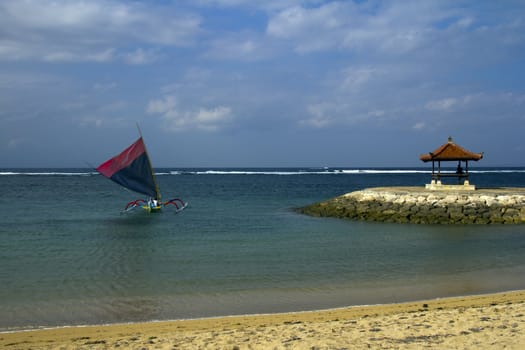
point(493, 321)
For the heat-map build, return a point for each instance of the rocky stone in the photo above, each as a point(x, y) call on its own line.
point(422, 206)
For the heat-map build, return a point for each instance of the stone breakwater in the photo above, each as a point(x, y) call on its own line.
point(421, 206)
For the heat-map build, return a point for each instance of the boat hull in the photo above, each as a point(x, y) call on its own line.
point(152, 209)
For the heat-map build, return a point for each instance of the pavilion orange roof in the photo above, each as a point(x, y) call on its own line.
point(450, 152)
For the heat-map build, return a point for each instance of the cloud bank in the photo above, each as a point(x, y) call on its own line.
point(232, 74)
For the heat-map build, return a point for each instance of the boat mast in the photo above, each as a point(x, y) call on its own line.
point(150, 166)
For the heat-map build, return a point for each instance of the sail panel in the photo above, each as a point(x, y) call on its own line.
point(131, 169)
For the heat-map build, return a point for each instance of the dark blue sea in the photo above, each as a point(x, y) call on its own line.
point(69, 257)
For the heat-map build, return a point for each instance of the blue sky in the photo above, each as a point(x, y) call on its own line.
point(233, 83)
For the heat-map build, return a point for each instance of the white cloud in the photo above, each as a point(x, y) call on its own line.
point(419, 126)
point(472, 111)
point(465, 22)
point(372, 27)
point(162, 106)
point(311, 29)
point(103, 87)
point(178, 119)
point(445, 104)
point(214, 115)
point(61, 31)
point(268, 5)
point(100, 120)
point(319, 116)
point(376, 113)
point(69, 56)
point(141, 56)
point(336, 113)
point(239, 46)
point(355, 78)
point(363, 66)
point(480, 100)
point(92, 121)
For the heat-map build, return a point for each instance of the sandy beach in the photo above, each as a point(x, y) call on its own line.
point(494, 321)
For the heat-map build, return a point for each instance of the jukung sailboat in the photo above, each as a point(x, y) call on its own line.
point(132, 169)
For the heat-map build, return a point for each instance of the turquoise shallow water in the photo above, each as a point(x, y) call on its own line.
point(67, 256)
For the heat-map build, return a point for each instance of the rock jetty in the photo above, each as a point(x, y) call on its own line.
point(421, 206)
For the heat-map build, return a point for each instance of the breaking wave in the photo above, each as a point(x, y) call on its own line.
point(256, 171)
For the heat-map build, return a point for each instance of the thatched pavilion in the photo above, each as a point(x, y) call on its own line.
point(450, 152)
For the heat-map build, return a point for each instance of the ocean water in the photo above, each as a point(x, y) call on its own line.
point(69, 257)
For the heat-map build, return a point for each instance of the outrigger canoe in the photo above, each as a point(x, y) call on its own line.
point(132, 169)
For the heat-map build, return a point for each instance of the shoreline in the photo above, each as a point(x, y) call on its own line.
point(476, 321)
